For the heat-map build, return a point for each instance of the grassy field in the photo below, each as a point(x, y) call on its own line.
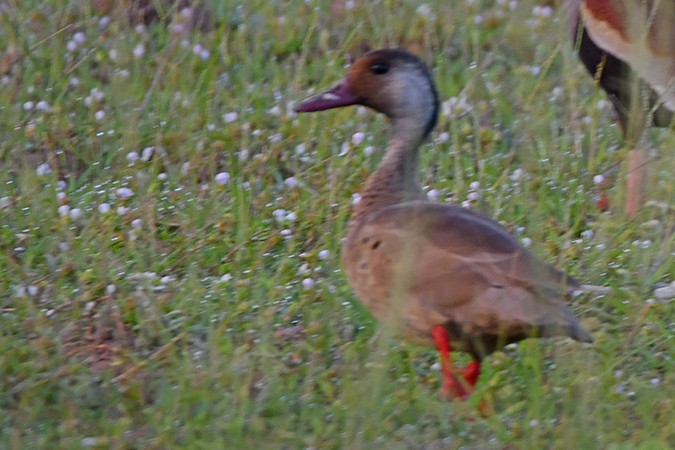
point(171, 232)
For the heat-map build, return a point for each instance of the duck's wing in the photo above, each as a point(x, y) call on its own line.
point(471, 237)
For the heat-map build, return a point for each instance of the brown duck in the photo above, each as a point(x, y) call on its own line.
point(440, 274)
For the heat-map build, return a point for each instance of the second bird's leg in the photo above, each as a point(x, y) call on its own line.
point(635, 180)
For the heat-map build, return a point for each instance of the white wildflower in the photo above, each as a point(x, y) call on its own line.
point(230, 117)
point(432, 195)
point(147, 153)
point(43, 106)
point(76, 213)
point(424, 10)
point(279, 215)
point(132, 157)
point(456, 107)
point(64, 210)
point(225, 278)
point(222, 178)
point(125, 192)
point(79, 37)
point(43, 169)
point(291, 182)
point(139, 51)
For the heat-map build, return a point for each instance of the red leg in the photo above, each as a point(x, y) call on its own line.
point(471, 372)
point(603, 202)
point(452, 387)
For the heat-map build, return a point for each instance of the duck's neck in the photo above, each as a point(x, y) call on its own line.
point(394, 180)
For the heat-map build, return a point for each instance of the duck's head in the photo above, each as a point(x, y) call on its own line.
point(391, 81)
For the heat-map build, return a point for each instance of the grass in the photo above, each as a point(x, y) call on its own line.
point(206, 310)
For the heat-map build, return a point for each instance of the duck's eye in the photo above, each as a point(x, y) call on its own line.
point(379, 68)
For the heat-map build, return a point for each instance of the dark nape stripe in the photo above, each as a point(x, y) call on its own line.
point(434, 114)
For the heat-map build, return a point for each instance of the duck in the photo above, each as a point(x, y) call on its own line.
point(621, 42)
point(441, 275)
